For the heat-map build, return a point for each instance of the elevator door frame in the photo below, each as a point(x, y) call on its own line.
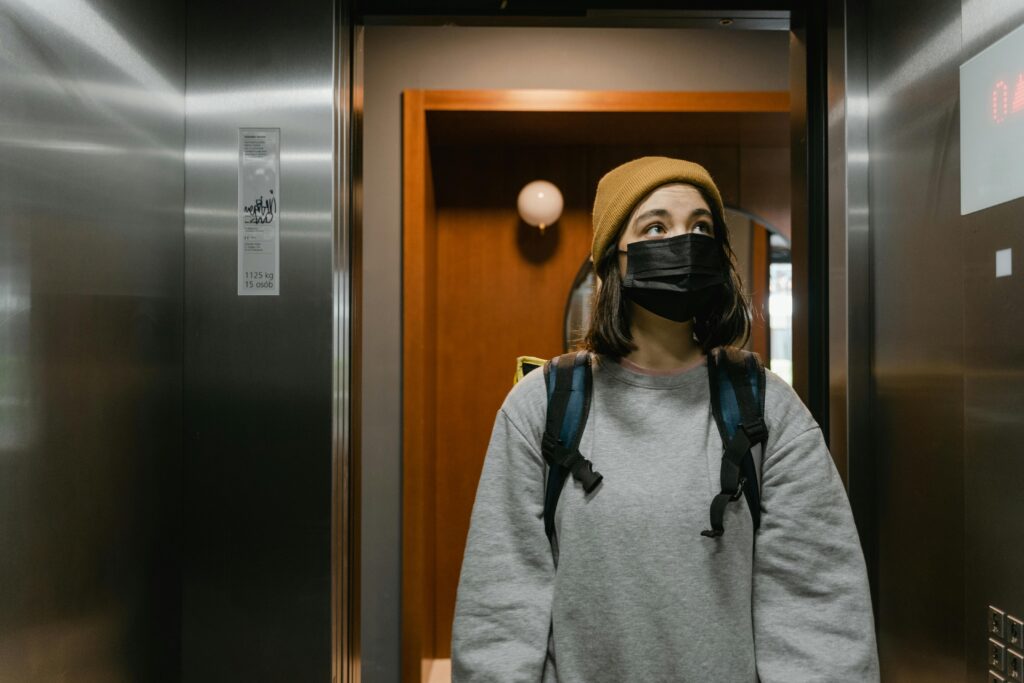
point(815, 74)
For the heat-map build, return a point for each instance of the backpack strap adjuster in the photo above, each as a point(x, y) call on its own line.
point(569, 387)
point(557, 453)
point(737, 380)
point(757, 431)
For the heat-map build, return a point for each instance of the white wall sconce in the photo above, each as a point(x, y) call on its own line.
point(540, 204)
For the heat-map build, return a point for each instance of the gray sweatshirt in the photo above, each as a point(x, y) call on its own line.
point(632, 591)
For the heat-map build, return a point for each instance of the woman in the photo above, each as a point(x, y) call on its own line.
point(630, 590)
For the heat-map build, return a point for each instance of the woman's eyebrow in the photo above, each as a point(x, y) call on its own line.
point(653, 212)
point(662, 213)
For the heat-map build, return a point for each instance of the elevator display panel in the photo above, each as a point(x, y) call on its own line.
point(992, 124)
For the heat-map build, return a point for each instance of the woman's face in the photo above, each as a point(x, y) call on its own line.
point(670, 210)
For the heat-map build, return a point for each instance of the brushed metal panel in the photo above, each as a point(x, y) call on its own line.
point(404, 14)
point(985, 21)
point(838, 124)
point(345, 499)
point(91, 196)
point(993, 385)
point(259, 373)
point(808, 60)
point(918, 331)
point(993, 425)
point(849, 271)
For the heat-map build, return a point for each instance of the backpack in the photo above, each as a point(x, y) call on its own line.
point(737, 385)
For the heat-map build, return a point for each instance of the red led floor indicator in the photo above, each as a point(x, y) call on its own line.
point(1000, 98)
point(1001, 105)
point(991, 107)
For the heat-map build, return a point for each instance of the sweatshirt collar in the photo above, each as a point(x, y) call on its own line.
point(687, 376)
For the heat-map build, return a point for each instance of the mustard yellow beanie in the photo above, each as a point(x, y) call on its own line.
point(621, 188)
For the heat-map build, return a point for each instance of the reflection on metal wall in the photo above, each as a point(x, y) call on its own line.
point(918, 336)
point(258, 369)
point(947, 362)
point(849, 267)
point(91, 193)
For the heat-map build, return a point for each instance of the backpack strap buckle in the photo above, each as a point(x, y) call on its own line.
point(718, 508)
point(739, 490)
point(557, 453)
point(756, 430)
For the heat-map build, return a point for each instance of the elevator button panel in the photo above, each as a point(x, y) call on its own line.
point(1005, 646)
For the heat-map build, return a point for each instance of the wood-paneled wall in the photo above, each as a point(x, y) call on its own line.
point(420, 418)
point(502, 288)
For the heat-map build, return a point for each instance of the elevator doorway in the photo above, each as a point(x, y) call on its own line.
point(482, 287)
point(395, 54)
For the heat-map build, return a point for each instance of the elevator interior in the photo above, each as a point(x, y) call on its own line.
point(480, 280)
point(202, 486)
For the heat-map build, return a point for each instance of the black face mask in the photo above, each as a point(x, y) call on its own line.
point(675, 277)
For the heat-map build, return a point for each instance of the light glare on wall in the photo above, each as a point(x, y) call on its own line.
point(540, 204)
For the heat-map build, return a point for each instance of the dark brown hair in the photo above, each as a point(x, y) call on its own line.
point(726, 321)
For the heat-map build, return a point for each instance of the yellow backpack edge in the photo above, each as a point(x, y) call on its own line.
point(529, 361)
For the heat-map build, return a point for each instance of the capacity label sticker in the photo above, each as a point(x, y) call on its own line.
point(259, 209)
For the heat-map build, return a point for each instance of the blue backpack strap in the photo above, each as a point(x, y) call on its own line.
point(737, 382)
point(569, 383)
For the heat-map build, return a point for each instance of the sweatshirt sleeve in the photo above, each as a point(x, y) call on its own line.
point(811, 602)
point(503, 602)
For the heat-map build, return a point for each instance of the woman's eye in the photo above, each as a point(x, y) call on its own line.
point(706, 227)
point(650, 227)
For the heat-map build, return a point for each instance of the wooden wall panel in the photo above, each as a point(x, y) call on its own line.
point(607, 100)
point(461, 127)
point(764, 185)
point(419, 379)
point(501, 289)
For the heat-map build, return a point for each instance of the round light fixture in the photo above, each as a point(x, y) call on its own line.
point(540, 204)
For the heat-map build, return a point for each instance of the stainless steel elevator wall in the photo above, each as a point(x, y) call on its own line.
point(993, 384)
point(917, 353)
point(258, 370)
point(849, 272)
point(946, 361)
point(91, 249)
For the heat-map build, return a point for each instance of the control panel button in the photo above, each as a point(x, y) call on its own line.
point(996, 655)
point(1014, 665)
point(1015, 631)
point(996, 623)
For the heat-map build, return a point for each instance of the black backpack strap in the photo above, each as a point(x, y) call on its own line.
point(737, 383)
point(569, 381)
